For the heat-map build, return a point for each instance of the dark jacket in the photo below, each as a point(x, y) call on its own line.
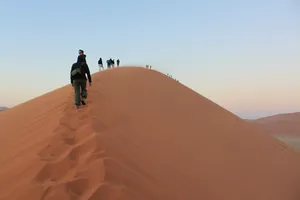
point(81, 58)
point(100, 61)
point(85, 70)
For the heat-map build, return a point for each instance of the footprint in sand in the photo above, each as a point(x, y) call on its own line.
point(71, 189)
point(108, 192)
point(54, 171)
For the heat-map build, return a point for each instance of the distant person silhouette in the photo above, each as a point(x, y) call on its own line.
point(118, 63)
point(78, 74)
point(108, 64)
point(100, 64)
point(112, 62)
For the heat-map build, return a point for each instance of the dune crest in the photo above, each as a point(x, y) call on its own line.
point(142, 135)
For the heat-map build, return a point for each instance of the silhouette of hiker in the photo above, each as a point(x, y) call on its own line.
point(118, 63)
point(100, 64)
point(78, 80)
point(111, 62)
point(108, 64)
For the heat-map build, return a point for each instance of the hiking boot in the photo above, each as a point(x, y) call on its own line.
point(77, 106)
point(83, 101)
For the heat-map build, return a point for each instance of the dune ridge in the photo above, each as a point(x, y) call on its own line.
point(141, 136)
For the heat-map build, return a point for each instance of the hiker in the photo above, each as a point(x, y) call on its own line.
point(118, 63)
point(108, 64)
point(100, 64)
point(111, 61)
point(78, 80)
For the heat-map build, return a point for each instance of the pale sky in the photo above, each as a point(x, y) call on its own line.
point(243, 55)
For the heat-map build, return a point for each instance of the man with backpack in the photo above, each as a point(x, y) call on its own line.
point(78, 80)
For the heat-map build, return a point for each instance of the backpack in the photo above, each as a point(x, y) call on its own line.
point(78, 70)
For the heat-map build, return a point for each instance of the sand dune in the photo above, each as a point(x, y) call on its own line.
point(285, 127)
point(280, 124)
point(142, 136)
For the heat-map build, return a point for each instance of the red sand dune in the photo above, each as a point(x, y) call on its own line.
point(288, 124)
point(141, 136)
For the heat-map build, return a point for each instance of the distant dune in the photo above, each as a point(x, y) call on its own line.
point(288, 123)
point(285, 127)
point(3, 108)
point(142, 135)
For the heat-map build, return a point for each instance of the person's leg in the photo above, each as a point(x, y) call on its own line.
point(83, 91)
point(76, 86)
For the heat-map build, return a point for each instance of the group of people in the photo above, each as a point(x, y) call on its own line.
point(110, 63)
point(79, 71)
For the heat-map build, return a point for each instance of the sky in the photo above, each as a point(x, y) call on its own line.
point(243, 55)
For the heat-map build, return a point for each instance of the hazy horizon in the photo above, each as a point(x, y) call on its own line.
point(243, 56)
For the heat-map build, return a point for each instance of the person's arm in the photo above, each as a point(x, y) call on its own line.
point(88, 73)
point(71, 78)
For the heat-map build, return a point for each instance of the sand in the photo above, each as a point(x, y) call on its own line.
point(142, 135)
point(288, 124)
point(285, 127)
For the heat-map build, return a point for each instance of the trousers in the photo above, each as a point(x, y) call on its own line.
point(79, 90)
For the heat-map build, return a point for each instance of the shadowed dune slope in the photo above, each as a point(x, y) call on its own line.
point(288, 123)
point(141, 136)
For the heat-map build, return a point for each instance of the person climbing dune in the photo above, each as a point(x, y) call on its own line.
point(100, 64)
point(108, 64)
point(111, 63)
point(78, 74)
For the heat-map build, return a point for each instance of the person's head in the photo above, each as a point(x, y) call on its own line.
point(81, 52)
